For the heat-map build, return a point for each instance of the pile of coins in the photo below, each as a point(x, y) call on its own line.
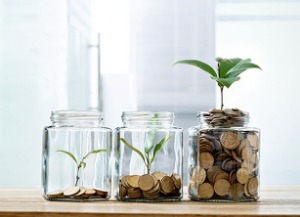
point(150, 186)
point(227, 165)
point(77, 193)
point(225, 118)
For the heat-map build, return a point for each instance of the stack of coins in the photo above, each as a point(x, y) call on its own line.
point(227, 165)
point(150, 186)
point(77, 193)
point(225, 118)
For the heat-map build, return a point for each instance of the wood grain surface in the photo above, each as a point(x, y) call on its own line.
point(274, 201)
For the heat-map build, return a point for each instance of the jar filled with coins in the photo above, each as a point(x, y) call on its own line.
point(149, 157)
point(76, 157)
point(224, 157)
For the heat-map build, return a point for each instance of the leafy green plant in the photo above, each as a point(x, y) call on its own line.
point(81, 163)
point(228, 71)
point(150, 151)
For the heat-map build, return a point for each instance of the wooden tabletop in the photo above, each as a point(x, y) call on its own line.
point(275, 201)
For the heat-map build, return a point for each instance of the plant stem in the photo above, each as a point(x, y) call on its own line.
point(148, 169)
point(222, 103)
point(77, 175)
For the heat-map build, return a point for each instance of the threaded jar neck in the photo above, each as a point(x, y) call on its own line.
point(76, 118)
point(224, 118)
point(147, 119)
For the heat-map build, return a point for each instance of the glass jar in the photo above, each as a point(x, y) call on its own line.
point(76, 157)
point(149, 157)
point(224, 157)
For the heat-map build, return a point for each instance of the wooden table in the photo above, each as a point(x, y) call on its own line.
point(275, 201)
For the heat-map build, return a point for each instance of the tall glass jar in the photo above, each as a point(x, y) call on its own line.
point(76, 157)
point(149, 157)
point(224, 157)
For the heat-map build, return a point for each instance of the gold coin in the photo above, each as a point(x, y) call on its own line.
point(101, 193)
point(55, 194)
point(71, 191)
point(236, 191)
point(253, 139)
point(177, 180)
point(167, 185)
point(146, 182)
point(133, 181)
point(206, 160)
point(253, 186)
point(242, 175)
point(230, 140)
point(124, 181)
point(246, 192)
point(154, 190)
point(205, 191)
point(198, 175)
point(122, 191)
point(159, 175)
point(221, 187)
point(134, 193)
point(81, 192)
point(90, 191)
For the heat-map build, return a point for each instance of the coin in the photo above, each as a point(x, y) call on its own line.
point(177, 180)
point(159, 175)
point(253, 139)
point(71, 191)
point(242, 175)
point(253, 186)
point(206, 160)
point(167, 185)
point(205, 190)
point(229, 140)
point(90, 191)
point(147, 182)
point(55, 194)
point(198, 175)
point(236, 191)
point(101, 193)
point(221, 187)
point(122, 191)
point(134, 193)
point(133, 181)
point(81, 192)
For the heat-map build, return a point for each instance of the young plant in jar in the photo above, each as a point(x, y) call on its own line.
point(149, 186)
point(224, 152)
point(77, 191)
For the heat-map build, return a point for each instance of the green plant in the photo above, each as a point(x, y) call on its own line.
point(150, 151)
point(82, 162)
point(228, 71)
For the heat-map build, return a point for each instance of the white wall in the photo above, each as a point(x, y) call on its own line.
point(268, 32)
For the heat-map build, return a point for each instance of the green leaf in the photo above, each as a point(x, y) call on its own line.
point(96, 151)
point(159, 146)
point(241, 67)
point(149, 141)
point(84, 164)
point(226, 64)
point(134, 149)
point(227, 82)
point(69, 154)
point(202, 65)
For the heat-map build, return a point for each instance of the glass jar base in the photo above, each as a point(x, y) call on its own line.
point(221, 200)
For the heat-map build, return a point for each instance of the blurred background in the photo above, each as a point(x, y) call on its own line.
point(118, 55)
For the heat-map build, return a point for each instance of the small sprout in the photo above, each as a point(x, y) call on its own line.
point(228, 70)
point(82, 163)
point(150, 152)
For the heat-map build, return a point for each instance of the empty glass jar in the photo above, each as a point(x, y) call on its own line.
point(224, 157)
point(149, 154)
point(76, 157)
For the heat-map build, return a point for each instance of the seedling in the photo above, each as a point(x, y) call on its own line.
point(150, 151)
point(82, 162)
point(228, 71)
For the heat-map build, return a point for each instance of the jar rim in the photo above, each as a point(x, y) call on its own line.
point(57, 115)
point(147, 116)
